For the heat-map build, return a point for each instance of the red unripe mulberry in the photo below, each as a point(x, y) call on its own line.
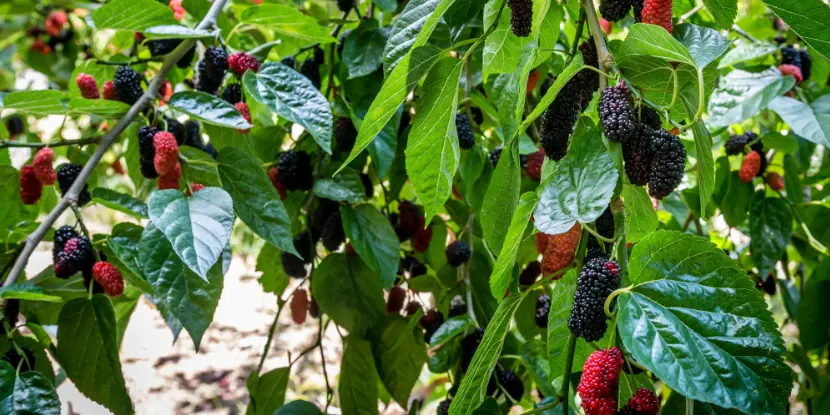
point(88, 86)
point(171, 180)
point(600, 381)
point(658, 12)
point(178, 10)
point(532, 80)
point(274, 175)
point(775, 181)
point(109, 91)
point(30, 186)
point(541, 242)
point(55, 21)
point(534, 165)
point(792, 70)
point(750, 167)
point(299, 306)
point(43, 166)
point(422, 236)
point(195, 187)
point(109, 277)
point(560, 250)
point(167, 152)
point(246, 113)
point(239, 62)
point(394, 303)
point(644, 402)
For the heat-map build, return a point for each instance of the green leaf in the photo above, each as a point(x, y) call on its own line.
point(208, 108)
point(411, 30)
point(135, 15)
point(695, 320)
point(534, 354)
point(363, 49)
point(432, 151)
point(181, 294)
point(501, 200)
point(474, 383)
point(124, 242)
point(811, 122)
point(298, 408)
point(703, 152)
point(510, 90)
point(400, 355)
point(33, 394)
point(36, 102)
point(581, 187)
point(287, 21)
point(121, 202)
point(100, 107)
point(395, 88)
point(198, 226)
point(450, 329)
point(705, 45)
point(292, 96)
point(655, 41)
point(489, 407)
point(573, 68)
point(28, 293)
point(502, 49)
point(345, 187)
point(745, 51)
point(770, 227)
point(255, 200)
point(724, 11)
point(742, 95)
point(640, 217)
point(176, 32)
point(268, 391)
point(269, 263)
point(358, 385)
point(349, 292)
point(88, 352)
point(735, 204)
point(502, 271)
point(374, 239)
point(806, 18)
point(813, 308)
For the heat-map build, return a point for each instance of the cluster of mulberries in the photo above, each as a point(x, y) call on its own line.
point(616, 113)
point(295, 172)
point(600, 382)
point(109, 277)
point(658, 12)
point(597, 280)
point(71, 253)
point(127, 83)
point(644, 402)
point(458, 252)
point(430, 322)
point(345, 134)
point(614, 10)
point(36, 175)
point(559, 249)
point(66, 175)
point(466, 139)
point(310, 67)
point(799, 58)
point(559, 119)
point(54, 32)
point(212, 69)
point(521, 17)
point(655, 157)
point(299, 306)
point(542, 310)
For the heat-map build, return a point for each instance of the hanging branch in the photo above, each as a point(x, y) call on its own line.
point(71, 196)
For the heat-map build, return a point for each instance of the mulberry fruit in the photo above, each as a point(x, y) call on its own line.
point(313, 308)
point(615, 106)
point(43, 166)
point(30, 187)
point(560, 249)
point(127, 85)
point(320, 216)
point(637, 9)
point(541, 242)
point(614, 10)
point(598, 279)
point(466, 139)
point(55, 22)
point(212, 69)
point(542, 310)
point(344, 134)
point(511, 383)
point(109, 277)
point(793, 71)
point(274, 175)
point(311, 70)
point(457, 307)
point(233, 93)
point(668, 164)
point(166, 152)
point(299, 306)
point(736, 144)
point(530, 273)
point(658, 12)
point(205, 82)
point(62, 236)
point(422, 236)
point(605, 228)
point(534, 165)
point(394, 302)
point(407, 220)
point(790, 56)
point(304, 245)
point(444, 407)
point(293, 265)
point(750, 167)
point(14, 125)
point(161, 47)
point(637, 156)
point(345, 5)
point(239, 62)
point(333, 235)
point(650, 117)
point(289, 61)
point(775, 181)
point(67, 173)
point(469, 346)
point(558, 122)
point(600, 382)
point(494, 156)
point(295, 170)
point(644, 402)
point(87, 86)
point(413, 266)
point(170, 180)
point(430, 322)
point(109, 91)
point(77, 255)
point(521, 16)
point(192, 134)
point(147, 151)
point(246, 114)
point(458, 253)
point(173, 126)
point(806, 64)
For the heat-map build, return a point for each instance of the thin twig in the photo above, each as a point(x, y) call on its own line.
point(603, 55)
point(689, 14)
point(61, 143)
point(738, 30)
point(107, 140)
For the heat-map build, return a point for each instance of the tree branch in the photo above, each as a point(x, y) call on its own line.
point(71, 197)
point(62, 143)
point(603, 55)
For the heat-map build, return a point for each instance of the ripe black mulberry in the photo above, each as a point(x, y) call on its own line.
point(67, 173)
point(668, 164)
point(542, 310)
point(615, 106)
point(597, 280)
point(295, 170)
point(127, 85)
point(458, 253)
point(614, 10)
point(466, 139)
point(521, 16)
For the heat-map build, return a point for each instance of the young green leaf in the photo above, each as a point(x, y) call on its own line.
point(411, 30)
point(121, 202)
point(502, 271)
point(268, 391)
point(374, 239)
point(363, 49)
point(501, 200)
point(288, 22)
point(358, 386)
